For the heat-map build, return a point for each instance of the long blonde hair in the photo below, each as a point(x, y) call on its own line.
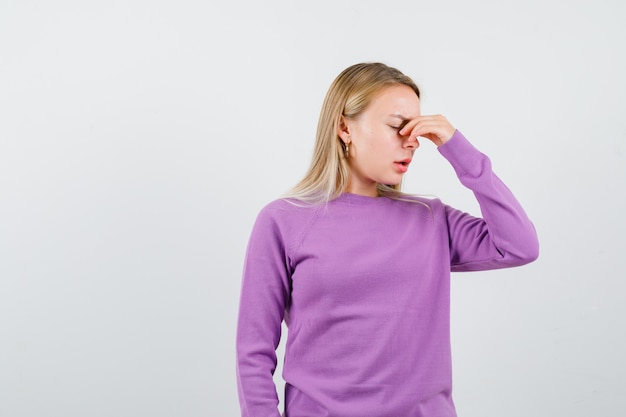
point(349, 94)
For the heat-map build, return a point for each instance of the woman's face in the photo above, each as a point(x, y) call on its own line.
point(378, 153)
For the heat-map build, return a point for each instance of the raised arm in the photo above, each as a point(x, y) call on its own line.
point(505, 236)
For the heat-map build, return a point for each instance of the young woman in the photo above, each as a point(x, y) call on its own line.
point(360, 272)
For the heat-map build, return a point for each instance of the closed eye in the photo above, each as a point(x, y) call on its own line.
point(401, 126)
point(403, 122)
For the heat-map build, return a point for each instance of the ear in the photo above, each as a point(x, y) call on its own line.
point(343, 129)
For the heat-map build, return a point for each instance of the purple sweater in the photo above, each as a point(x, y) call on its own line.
point(363, 285)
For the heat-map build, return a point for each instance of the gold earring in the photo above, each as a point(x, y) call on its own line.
point(347, 149)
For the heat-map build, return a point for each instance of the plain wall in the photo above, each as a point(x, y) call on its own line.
point(139, 139)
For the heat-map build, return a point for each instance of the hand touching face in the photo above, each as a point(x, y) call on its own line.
point(436, 128)
point(383, 138)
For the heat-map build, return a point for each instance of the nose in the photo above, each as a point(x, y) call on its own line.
point(411, 143)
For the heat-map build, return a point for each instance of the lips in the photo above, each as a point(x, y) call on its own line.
point(403, 165)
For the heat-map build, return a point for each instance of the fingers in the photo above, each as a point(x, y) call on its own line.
point(433, 127)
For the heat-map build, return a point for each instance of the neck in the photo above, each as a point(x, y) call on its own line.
point(366, 190)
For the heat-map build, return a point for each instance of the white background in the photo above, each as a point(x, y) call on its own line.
point(139, 139)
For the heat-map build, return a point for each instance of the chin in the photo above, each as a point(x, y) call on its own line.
point(392, 181)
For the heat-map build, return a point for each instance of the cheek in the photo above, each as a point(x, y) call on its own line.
point(380, 139)
point(374, 141)
point(384, 142)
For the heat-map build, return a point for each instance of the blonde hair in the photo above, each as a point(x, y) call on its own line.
point(349, 95)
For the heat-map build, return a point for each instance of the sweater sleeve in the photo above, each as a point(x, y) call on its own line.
point(264, 296)
point(505, 236)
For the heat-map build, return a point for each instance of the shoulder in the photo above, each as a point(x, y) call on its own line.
point(285, 208)
point(281, 223)
point(424, 209)
point(286, 216)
